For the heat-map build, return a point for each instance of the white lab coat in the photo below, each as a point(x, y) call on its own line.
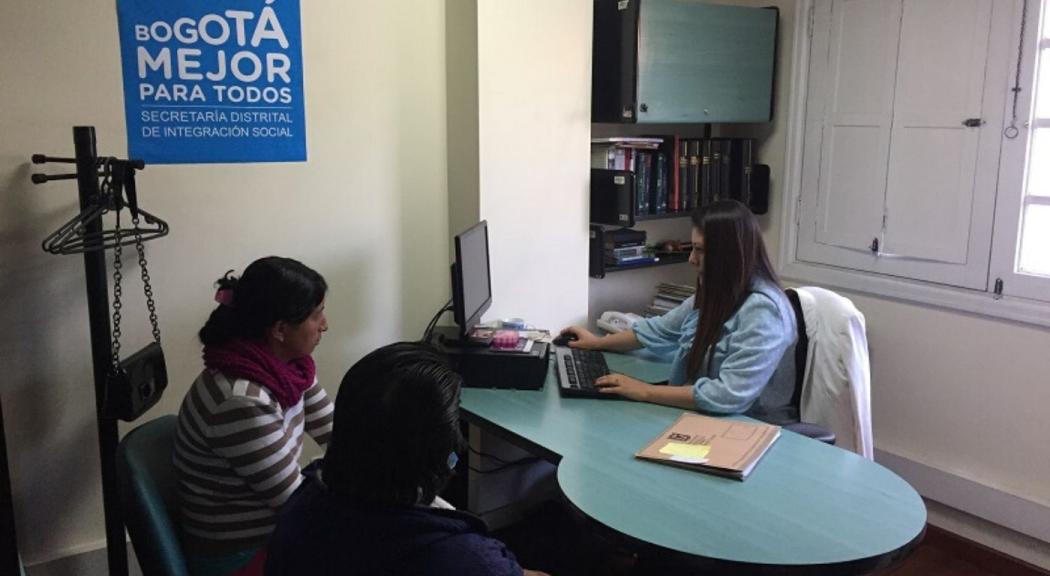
point(836, 386)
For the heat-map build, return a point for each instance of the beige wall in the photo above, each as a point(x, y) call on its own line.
point(369, 210)
point(961, 393)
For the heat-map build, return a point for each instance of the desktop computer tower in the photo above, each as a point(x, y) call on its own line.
point(484, 367)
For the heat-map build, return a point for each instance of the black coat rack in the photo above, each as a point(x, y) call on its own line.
point(85, 234)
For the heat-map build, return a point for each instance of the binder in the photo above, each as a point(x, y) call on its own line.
point(683, 183)
point(695, 174)
point(643, 175)
point(659, 188)
point(725, 172)
point(707, 182)
point(665, 176)
point(716, 172)
point(612, 197)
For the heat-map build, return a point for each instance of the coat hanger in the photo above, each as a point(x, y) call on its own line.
point(116, 192)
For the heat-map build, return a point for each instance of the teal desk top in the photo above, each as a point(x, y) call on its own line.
point(806, 505)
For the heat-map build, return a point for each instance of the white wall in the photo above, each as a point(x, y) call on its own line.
point(369, 210)
point(962, 395)
point(534, 78)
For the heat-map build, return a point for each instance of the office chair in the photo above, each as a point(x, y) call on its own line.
point(146, 477)
point(833, 380)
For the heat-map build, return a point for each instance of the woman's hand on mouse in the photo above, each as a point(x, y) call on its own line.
point(585, 339)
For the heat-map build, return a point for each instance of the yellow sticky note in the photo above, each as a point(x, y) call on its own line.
point(687, 450)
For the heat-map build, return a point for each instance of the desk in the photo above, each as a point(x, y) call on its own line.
point(807, 508)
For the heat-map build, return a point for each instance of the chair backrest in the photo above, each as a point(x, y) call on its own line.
point(836, 386)
point(148, 496)
point(801, 349)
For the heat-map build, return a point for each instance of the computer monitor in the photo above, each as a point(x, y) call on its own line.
point(471, 280)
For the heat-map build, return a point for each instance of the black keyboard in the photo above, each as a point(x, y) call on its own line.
point(577, 371)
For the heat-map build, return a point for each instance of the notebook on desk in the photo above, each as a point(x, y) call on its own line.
point(577, 371)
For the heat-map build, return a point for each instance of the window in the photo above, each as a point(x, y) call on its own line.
point(906, 183)
point(1022, 250)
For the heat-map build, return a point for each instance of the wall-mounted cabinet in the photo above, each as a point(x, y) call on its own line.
point(682, 61)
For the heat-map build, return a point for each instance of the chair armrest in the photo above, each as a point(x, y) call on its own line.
point(814, 431)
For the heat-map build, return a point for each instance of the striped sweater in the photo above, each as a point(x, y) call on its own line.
point(237, 459)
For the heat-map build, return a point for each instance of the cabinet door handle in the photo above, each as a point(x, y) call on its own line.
point(972, 122)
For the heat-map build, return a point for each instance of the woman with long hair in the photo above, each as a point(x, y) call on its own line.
point(730, 345)
point(240, 428)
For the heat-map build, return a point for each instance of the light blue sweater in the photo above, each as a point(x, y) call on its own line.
point(752, 369)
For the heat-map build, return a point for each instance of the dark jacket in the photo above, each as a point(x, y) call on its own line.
point(322, 533)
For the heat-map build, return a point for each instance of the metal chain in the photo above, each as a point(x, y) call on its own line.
point(147, 289)
point(1011, 131)
point(117, 276)
point(118, 291)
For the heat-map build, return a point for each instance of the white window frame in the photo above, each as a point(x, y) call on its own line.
point(1015, 303)
point(1012, 173)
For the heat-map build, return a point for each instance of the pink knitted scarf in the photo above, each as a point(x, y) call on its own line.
point(255, 361)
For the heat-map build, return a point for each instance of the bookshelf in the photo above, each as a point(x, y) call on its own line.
point(664, 260)
point(673, 82)
point(664, 216)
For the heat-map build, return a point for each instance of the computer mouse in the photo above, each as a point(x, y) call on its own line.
point(564, 339)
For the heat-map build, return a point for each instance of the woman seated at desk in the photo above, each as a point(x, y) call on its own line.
point(240, 428)
point(374, 508)
point(731, 345)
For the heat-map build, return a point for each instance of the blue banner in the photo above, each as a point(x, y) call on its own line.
point(213, 80)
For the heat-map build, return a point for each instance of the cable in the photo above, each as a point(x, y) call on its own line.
point(493, 456)
point(504, 463)
point(529, 460)
point(429, 332)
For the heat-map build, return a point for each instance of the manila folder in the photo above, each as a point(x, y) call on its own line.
point(715, 445)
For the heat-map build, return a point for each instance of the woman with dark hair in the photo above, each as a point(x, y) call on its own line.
point(374, 506)
point(240, 427)
point(732, 342)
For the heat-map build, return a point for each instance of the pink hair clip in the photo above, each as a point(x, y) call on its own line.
point(224, 296)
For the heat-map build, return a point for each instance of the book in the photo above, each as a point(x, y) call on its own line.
point(627, 251)
point(720, 446)
point(744, 159)
point(650, 143)
point(695, 174)
point(624, 237)
point(659, 184)
point(707, 181)
point(684, 183)
point(645, 260)
point(725, 174)
point(643, 172)
point(716, 173)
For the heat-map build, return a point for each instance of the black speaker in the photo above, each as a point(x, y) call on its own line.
point(759, 201)
point(596, 261)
